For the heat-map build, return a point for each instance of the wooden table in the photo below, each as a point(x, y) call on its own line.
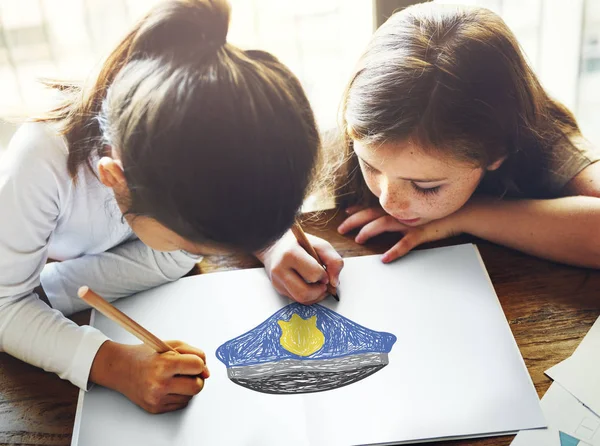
point(550, 308)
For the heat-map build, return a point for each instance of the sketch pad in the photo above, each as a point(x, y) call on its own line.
point(418, 350)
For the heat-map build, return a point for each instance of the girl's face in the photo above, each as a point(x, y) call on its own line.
point(160, 238)
point(417, 187)
point(150, 231)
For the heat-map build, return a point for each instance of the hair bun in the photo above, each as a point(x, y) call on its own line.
point(175, 26)
point(212, 18)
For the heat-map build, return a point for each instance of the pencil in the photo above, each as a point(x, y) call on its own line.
point(303, 241)
point(123, 320)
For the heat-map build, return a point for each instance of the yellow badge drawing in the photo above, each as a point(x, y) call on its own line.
point(301, 336)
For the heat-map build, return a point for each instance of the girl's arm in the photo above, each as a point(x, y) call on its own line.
point(31, 186)
point(121, 271)
point(33, 178)
point(565, 229)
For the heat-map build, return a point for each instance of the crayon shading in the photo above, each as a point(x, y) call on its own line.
point(304, 349)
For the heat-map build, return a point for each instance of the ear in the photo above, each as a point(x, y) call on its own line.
point(112, 175)
point(496, 164)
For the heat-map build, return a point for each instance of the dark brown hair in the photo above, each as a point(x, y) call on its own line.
point(454, 81)
point(218, 144)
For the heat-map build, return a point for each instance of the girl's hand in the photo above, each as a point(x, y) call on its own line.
point(295, 274)
point(375, 221)
point(157, 382)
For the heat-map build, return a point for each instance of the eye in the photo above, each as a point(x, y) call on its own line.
point(426, 190)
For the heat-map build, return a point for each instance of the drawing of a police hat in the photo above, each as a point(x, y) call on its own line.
point(303, 349)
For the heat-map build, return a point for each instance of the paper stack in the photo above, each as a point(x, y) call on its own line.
point(572, 403)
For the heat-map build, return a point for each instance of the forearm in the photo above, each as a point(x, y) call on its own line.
point(40, 336)
point(566, 229)
point(110, 367)
point(122, 271)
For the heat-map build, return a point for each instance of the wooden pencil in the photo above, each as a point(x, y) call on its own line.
point(123, 320)
point(305, 243)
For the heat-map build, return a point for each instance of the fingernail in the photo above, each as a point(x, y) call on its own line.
point(385, 258)
point(341, 229)
point(358, 240)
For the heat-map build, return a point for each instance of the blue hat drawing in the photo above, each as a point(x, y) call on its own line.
point(303, 349)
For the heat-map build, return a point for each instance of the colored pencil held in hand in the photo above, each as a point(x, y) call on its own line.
point(111, 312)
point(305, 243)
point(161, 380)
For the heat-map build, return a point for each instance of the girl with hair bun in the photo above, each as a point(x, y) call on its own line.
point(182, 145)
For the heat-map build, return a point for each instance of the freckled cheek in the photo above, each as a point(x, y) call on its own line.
point(433, 206)
point(427, 206)
point(450, 201)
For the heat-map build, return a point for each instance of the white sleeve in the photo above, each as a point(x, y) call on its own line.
point(121, 271)
point(31, 186)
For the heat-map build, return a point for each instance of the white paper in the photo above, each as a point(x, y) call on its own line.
point(454, 370)
point(564, 413)
point(580, 373)
point(537, 437)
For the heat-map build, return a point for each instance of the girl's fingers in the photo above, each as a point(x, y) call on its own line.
point(173, 407)
point(414, 237)
point(317, 299)
point(410, 240)
point(188, 364)
point(330, 257)
point(379, 226)
point(186, 386)
point(360, 219)
point(353, 209)
point(299, 290)
point(184, 348)
point(309, 269)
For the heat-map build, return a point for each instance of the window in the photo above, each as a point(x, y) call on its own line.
point(588, 104)
point(561, 40)
point(320, 40)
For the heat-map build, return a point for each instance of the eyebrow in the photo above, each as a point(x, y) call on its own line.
point(414, 180)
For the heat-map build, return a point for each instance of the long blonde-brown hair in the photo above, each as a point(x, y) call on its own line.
point(453, 80)
point(218, 144)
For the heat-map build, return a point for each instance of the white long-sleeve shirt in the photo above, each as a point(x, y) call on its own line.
point(43, 214)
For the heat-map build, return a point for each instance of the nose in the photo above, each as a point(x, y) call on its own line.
point(392, 199)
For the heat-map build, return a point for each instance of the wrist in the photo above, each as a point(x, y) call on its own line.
point(264, 253)
point(109, 366)
point(471, 215)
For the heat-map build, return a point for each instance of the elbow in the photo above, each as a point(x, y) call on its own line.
point(174, 265)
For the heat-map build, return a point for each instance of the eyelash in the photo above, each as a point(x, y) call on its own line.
point(426, 191)
point(422, 190)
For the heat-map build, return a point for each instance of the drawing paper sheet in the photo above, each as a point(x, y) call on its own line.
point(564, 414)
point(454, 369)
point(580, 373)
